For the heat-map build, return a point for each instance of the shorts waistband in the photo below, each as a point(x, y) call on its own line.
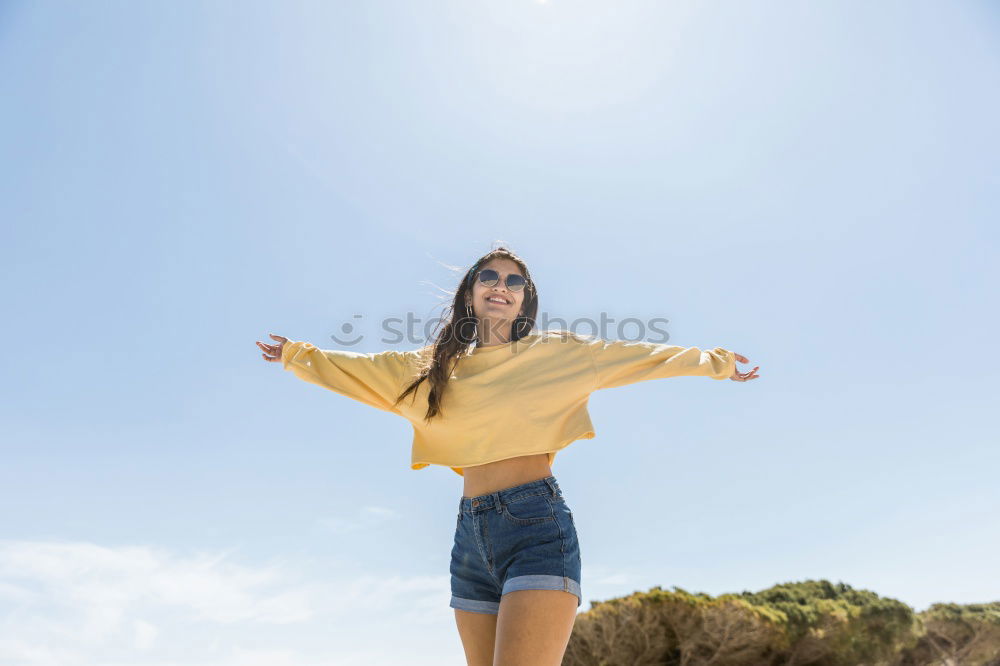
point(495, 500)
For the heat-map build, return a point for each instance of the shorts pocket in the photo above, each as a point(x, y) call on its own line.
point(529, 510)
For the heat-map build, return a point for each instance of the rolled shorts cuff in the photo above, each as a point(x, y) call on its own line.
point(544, 582)
point(531, 582)
point(475, 606)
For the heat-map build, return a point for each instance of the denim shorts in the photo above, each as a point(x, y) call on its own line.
point(517, 538)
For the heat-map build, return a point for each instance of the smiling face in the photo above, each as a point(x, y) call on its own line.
point(496, 317)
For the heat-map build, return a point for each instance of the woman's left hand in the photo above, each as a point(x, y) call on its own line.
point(744, 376)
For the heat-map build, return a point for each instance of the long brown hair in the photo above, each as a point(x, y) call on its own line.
point(458, 333)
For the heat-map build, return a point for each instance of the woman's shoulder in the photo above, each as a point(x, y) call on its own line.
point(420, 354)
point(567, 335)
point(565, 338)
point(423, 355)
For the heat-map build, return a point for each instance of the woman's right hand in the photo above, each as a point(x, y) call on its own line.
point(272, 353)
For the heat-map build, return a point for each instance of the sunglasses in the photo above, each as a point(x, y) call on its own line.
point(489, 277)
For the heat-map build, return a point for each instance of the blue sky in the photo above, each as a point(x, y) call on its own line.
point(810, 185)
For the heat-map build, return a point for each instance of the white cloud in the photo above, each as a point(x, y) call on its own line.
point(104, 582)
point(144, 634)
point(78, 604)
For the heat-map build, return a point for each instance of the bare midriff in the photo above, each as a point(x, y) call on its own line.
point(488, 478)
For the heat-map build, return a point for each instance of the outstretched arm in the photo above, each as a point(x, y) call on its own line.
point(373, 378)
point(622, 362)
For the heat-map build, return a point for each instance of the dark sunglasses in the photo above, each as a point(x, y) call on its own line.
point(489, 277)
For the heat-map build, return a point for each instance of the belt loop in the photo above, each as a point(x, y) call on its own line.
point(496, 498)
point(552, 486)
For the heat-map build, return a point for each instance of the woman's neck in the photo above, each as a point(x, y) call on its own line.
point(490, 336)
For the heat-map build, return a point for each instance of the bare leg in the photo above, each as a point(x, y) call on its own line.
point(478, 632)
point(533, 627)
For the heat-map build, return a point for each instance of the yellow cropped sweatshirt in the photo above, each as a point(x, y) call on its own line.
point(521, 398)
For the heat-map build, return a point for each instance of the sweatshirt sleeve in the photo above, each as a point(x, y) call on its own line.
point(622, 362)
point(373, 378)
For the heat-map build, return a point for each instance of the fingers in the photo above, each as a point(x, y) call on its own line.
point(274, 350)
point(271, 352)
point(745, 376)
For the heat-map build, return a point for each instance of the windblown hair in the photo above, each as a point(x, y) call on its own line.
point(459, 332)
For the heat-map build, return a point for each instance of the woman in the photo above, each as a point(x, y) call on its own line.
point(495, 401)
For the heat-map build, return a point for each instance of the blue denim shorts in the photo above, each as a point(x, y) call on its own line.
point(517, 538)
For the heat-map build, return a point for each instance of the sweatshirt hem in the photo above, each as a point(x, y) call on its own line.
point(421, 464)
